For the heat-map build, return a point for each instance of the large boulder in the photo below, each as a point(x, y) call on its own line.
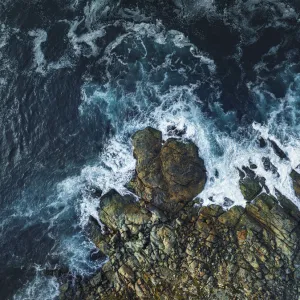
point(118, 211)
point(169, 174)
point(112, 207)
point(182, 169)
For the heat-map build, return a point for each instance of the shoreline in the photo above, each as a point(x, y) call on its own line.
point(168, 245)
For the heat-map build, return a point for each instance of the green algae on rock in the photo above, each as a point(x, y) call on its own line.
point(166, 247)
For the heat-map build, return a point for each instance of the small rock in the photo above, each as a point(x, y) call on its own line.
point(228, 202)
point(278, 151)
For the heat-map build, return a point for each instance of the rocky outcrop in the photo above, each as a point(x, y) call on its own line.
point(167, 247)
point(167, 175)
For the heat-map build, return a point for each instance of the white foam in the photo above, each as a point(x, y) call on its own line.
point(94, 10)
point(6, 66)
point(40, 287)
point(182, 114)
point(176, 106)
point(180, 107)
point(40, 63)
point(74, 4)
point(173, 106)
point(75, 251)
point(185, 113)
point(62, 63)
point(191, 8)
point(40, 36)
point(89, 38)
point(233, 154)
point(113, 171)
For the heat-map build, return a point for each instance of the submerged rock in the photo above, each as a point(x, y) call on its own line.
point(261, 142)
point(268, 166)
point(278, 151)
point(165, 247)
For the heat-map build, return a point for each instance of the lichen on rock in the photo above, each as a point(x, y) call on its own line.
point(166, 247)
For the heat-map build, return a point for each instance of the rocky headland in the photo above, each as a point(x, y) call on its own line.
point(168, 246)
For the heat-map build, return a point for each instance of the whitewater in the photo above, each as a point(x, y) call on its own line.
point(139, 71)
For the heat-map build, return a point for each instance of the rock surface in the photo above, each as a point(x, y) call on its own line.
point(166, 247)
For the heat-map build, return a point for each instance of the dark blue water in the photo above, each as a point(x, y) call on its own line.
point(77, 78)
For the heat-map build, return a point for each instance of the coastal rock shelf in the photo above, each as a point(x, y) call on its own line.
point(166, 246)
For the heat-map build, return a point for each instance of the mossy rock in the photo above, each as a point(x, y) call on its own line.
point(250, 188)
point(288, 206)
point(112, 208)
point(231, 217)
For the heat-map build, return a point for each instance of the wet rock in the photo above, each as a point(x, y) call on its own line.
point(217, 173)
point(288, 206)
point(250, 187)
point(296, 182)
point(266, 210)
point(173, 130)
point(206, 258)
point(183, 170)
point(262, 143)
point(228, 202)
point(56, 271)
point(231, 217)
point(134, 215)
point(126, 272)
point(96, 254)
point(64, 288)
point(96, 192)
point(163, 237)
point(279, 152)
point(250, 184)
point(147, 145)
point(268, 166)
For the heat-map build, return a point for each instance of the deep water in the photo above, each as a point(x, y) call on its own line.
point(79, 77)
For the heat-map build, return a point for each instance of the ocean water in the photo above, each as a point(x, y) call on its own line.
point(79, 77)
